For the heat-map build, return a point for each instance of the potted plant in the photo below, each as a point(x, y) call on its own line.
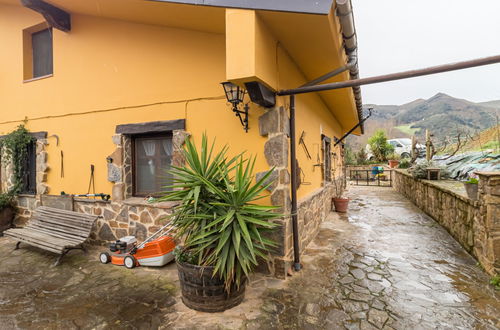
point(339, 202)
point(223, 231)
point(404, 163)
point(471, 186)
point(6, 211)
point(394, 160)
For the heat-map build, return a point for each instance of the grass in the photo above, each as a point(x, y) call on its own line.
point(407, 129)
point(495, 281)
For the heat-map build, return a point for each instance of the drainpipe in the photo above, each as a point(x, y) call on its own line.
point(346, 18)
point(293, 161)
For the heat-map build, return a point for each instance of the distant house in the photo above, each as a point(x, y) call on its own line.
point(120, 84)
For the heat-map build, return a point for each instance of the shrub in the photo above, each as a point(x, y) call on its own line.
point(216, 216)
point(15, 150)
point(6, 200)
point(361, 157)
point(379, 146)
point(350, 156)
point(404, 163)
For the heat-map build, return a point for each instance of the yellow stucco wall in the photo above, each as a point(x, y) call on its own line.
point(107, 64)
point(312, 117)
point(110, 72)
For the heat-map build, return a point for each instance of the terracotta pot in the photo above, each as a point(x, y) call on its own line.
point(6, 218)
point(393, 163)
point(341, 204)
point(471, 189)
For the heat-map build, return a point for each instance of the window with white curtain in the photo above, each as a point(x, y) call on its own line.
point(152, 161)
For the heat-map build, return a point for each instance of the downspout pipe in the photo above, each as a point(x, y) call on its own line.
point(346, 18)
point(293, 166)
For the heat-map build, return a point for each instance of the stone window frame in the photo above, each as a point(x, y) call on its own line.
point(42, 167)
point(120, 161)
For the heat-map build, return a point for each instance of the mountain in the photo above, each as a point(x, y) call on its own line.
point(442, 114)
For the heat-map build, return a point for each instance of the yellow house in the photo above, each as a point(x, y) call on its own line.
point(111, 89)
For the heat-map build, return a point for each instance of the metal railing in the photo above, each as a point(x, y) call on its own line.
point(369, 178)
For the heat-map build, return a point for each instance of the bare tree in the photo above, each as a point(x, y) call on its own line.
point(456, 142)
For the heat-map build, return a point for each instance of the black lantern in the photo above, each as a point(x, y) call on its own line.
point(235, 95)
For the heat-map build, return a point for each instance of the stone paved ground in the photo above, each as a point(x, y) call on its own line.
point(383, 265)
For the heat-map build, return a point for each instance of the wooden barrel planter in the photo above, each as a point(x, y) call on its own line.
point(202, 292)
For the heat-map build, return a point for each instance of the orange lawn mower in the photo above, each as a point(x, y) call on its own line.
point(157, 250)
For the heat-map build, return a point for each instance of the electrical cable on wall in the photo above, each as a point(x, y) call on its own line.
point(213, 98)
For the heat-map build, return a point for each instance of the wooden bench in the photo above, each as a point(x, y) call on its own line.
point(55, 230)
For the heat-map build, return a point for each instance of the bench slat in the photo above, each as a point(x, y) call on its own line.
point(54, 229)
point(66, 219)
point(44, 242)
point(73, 239)
point(79, 217)
point(50, 221)
point(58, 229)
point(47, 239)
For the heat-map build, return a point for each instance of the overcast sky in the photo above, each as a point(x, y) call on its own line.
point(397, 35)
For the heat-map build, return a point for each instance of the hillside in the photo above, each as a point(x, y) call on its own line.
point(442, 114)
point(488, 139)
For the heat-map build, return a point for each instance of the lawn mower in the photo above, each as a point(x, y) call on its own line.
point(157, 250)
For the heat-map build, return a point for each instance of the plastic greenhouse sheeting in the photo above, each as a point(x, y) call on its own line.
point(460, 166)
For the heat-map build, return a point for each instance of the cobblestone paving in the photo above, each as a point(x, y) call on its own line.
point(383, 265)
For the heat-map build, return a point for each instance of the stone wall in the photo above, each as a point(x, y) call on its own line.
point(131, 217)
point(474, 224)
point(312, 210)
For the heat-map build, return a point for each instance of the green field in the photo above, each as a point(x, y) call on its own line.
point(407, 129)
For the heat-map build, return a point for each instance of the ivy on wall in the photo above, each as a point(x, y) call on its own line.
point(15, 149)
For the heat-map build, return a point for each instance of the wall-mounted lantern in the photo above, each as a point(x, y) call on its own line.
point(235, 95)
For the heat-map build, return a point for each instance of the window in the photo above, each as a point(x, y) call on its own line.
point(327, 158)
point(152, 160)
point(42, 53)
point(38, 52)
point(29, 171)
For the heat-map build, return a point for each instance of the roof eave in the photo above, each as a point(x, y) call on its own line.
point(317, 7)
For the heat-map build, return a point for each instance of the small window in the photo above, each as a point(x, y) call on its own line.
point(327, 158)
point(152, 161)
point(38, 52)
point(29, 171)
point(42, 53)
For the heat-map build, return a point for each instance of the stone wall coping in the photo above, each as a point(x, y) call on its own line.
point(27, 195)
point(488, 174)
point(438, 187)
point(139, 201)
point(90, 200)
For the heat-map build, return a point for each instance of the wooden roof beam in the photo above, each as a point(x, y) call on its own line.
point(56, 17)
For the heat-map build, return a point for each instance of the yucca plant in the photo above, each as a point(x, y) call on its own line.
point(217, 218)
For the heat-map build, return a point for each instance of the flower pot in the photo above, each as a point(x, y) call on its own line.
point(6, 219)
point(471, 189)
point(203, 292)
point(393, 163)
point(341, 204)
